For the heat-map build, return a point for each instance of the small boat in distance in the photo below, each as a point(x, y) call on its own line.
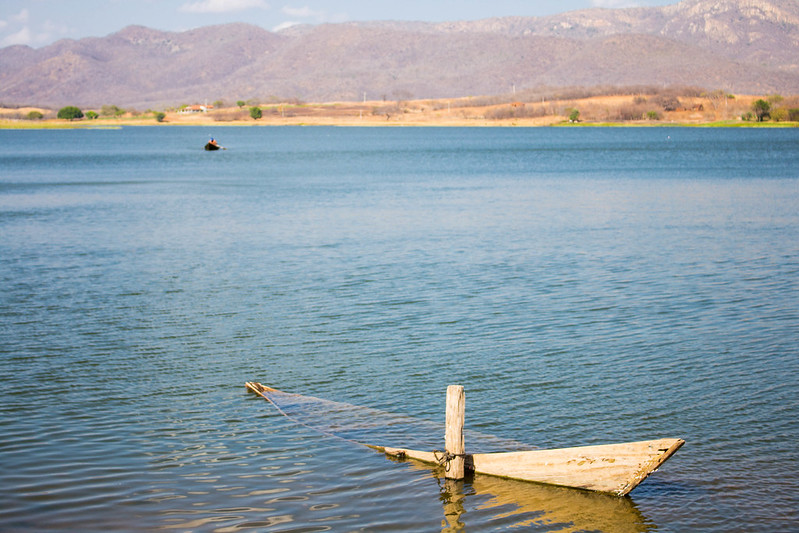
point(610, 468)
point(212, 145)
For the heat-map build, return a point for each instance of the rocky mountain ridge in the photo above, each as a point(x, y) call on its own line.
point(746, 46)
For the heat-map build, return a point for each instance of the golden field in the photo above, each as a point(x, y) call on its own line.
point(477, 112)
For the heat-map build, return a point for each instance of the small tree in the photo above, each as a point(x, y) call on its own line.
point(762, 110)
point(241, 103)
point(159, 116)
point(70, 113)
point(111, 110)
point(716, 98)
point(255, 112)
point(35, 115)
point(779, 115)
point(574, 116)
point(668, 102)
point(775, 99)
point(92, 115)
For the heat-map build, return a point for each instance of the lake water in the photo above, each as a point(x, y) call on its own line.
point(586, 286)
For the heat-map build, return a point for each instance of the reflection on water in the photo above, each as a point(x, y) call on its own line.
point(532, 506)
point(452, 497)
point(568, 509)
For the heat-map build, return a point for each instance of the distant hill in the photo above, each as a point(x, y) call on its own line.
point(744, 46)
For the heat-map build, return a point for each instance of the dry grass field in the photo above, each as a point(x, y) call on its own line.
point(639, 110)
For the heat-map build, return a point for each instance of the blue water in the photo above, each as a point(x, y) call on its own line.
point(586, 286)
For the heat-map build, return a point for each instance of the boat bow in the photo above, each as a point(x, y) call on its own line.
point(613, 468)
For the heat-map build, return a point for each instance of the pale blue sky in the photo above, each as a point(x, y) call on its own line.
point(40, 22)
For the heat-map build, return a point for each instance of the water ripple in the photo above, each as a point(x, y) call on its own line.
point(586, 286)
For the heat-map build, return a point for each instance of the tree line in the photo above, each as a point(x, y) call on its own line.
point(645, 103)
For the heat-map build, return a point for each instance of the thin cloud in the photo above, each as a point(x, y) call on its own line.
point(308, 16)
point(52, 30)
point(22, 16)
point(303, 12)
point(284, 25)
point(14, 20)
point(222, 6)
point(614, 4)
point(43, 34)
point(22, 36)
point(21, 32)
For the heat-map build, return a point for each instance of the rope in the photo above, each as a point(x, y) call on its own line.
point(261, 390)
point(443, 458)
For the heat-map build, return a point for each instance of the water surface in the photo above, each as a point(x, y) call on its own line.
point(586, 286)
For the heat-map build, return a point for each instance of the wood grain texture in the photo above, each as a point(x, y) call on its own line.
point(454, 442)
point(613, 468)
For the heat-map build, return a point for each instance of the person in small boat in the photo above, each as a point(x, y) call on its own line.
point(213, 142)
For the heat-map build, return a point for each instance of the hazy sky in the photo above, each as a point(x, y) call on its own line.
point(40, 22)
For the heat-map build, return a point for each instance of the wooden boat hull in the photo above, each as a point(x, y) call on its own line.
point(609, 468)
point(211, 147)
point(613, 468)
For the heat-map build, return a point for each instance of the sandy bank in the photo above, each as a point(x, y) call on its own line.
point(622, 110)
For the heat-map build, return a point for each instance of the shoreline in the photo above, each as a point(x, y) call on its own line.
point(601, 111)
point(6, 124)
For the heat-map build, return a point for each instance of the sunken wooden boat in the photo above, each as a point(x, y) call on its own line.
point(613, 468)
point(609, 468)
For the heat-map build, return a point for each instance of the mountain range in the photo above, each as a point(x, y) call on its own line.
point(741, 46)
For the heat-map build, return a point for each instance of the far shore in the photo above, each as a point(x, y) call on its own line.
point(461, 112)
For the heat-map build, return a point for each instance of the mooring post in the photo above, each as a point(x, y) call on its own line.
point(453, 438)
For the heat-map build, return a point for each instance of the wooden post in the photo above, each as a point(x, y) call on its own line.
point(453, 438)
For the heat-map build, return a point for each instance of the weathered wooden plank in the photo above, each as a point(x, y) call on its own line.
point(454, 442)
point(614, 468)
